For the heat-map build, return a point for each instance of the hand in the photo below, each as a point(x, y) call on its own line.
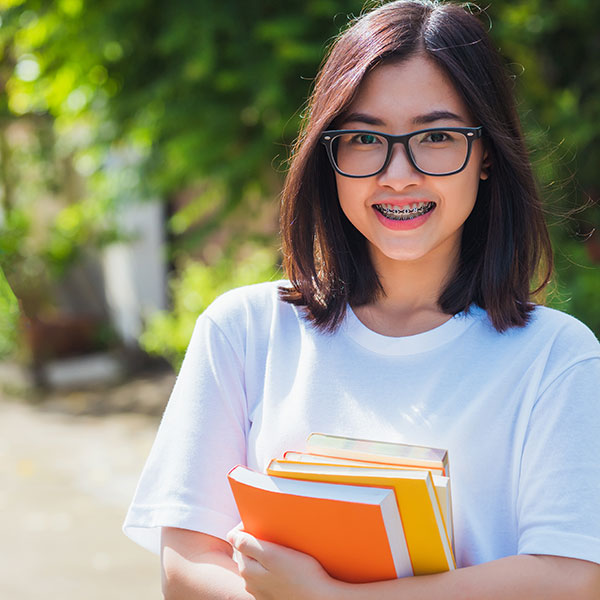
point(273, 572)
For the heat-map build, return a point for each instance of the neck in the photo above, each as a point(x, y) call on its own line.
point(409, 304)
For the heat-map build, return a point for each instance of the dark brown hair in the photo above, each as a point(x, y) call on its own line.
point(505, 243)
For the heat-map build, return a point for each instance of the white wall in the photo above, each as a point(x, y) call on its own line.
point(135, 272)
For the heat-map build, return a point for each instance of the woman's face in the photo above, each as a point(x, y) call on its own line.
point(398, 99)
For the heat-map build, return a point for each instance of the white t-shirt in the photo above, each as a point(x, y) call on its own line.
point(519, 413)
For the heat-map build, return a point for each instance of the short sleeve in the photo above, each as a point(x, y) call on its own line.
point(202, 435)
point(559, 487)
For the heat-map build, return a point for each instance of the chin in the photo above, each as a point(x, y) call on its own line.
point(403, 256)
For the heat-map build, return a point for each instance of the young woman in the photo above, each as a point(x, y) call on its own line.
point(412, 232)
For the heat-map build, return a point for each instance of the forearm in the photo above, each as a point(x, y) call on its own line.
point(199, 572)
point(512, 578)
point(204, 581)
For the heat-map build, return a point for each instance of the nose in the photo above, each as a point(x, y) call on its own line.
point(399, 171)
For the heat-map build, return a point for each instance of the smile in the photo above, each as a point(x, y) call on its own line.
point(405, 213)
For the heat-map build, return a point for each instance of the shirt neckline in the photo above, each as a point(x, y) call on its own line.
point(354, 328)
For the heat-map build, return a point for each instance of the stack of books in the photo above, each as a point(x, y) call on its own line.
point(366, 510)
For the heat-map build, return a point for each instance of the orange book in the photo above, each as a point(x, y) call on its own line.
point(355, 532)
point(425, 531)
point(407, 455)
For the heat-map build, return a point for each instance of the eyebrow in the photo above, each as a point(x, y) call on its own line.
point(436, 115)
point(357, 117)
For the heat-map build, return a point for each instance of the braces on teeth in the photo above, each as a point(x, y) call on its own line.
point(405, 212)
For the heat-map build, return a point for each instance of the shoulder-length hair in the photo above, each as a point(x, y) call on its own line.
point(505, 242)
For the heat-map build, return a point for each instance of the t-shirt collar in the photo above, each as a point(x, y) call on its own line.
point(412, 344)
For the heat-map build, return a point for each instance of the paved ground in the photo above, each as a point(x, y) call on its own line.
point(68, 468)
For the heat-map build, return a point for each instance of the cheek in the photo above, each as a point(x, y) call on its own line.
point(467, 188)
point(467, 198)
point(471, 190)
point(459, 197)
point(474, 188)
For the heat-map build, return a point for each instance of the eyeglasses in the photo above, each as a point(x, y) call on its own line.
point(438, 151)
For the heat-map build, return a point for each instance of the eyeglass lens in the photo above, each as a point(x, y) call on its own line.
point(436, 152)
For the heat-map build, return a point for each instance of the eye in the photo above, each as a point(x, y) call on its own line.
point(437, 137)
point(365, 139)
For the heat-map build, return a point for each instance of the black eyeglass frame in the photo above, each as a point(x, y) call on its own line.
point(471, 134)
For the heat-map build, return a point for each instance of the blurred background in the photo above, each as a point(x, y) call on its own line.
point(143, 146)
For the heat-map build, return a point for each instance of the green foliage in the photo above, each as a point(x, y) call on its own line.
point(553, 48)
point(9, 317)
point(168, 333)
point(578, 285)
point(197, 102)
point(58, 188)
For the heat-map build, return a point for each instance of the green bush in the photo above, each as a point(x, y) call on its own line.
point(197, 103)
point(9, 318)
point(196, 285)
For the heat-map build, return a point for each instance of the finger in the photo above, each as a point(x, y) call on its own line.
point(236, 556)
point(248, 567)
point(267, 553)
point(231, 535)
point(235, 539)
point(248, 545)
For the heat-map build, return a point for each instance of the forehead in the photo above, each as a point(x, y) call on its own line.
point(400, 94)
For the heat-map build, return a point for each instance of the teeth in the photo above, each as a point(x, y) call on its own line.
point(406, 212)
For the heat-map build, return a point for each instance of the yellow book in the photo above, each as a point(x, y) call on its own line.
point(424, 528)
point(441, 483)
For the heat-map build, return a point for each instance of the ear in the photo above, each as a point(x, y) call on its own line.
point(486, 164)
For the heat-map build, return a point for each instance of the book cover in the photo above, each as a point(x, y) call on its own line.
point(355, 532)
point(427, 539)
point(440, 482)
point(377, 451)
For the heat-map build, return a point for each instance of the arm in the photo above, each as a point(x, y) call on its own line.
point(271, 572)
point(198, 566)
point(525, 577)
